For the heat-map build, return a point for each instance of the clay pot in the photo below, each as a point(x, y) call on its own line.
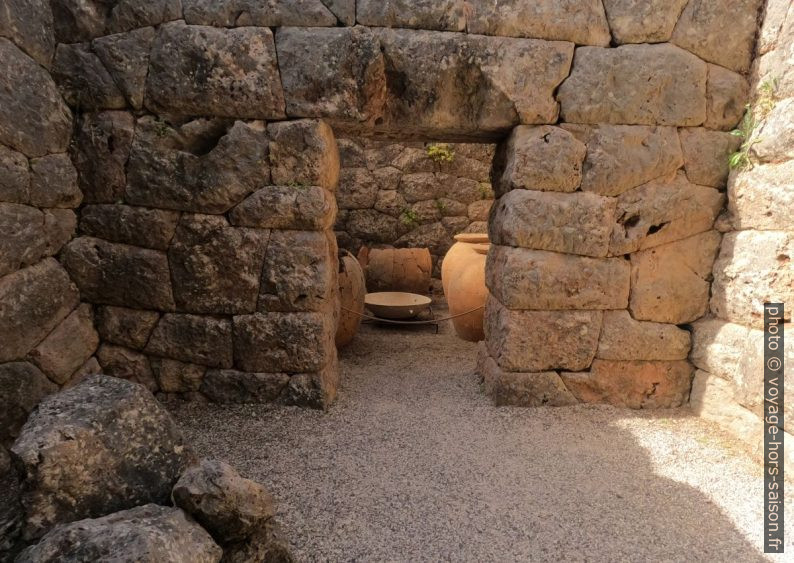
point(464, 285)
point(352, 291)
point(397, 269)
point(458, 255)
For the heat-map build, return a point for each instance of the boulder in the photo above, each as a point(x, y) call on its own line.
point(309, 13)
point(126, 327)
point(303, 153)
point(301, 208)
point(126, 57)
point(193, 338)
point(727, 94)
point(441, 15)
point(53, 182)
point(68, 346)
point(706, 155)
point(139, 226)
point(31, 234)
point(101, 446)
point(643, 21)
point(124, 363)
point(22, 386)
point(28, 23)
point(177, 377)
point(623, 338)
point(12, 516)
point(83, 79)
point(228, 386)
point(762, 197)
point(14, 176)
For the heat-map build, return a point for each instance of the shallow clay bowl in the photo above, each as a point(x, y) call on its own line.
point(396, 305)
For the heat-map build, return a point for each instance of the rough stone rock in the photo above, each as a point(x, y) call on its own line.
point(139, 226)
point(124, 363)
point(670, 283)
point(90, 367)
point(68, 346)
point(228, 506)
point(177, 377)
point(14, 176)
point(266, 544)
point(579, 21)
point(433, 236)
point(197, 70)
point(203, 166)
point(577, 223)
point(193, 338)
point(643, 21)
point(126, 58)
point(234, 387)
point(358, 189)
point(374, 226)
point(11, 513)
point(215, 268)
point(441, 15)
point(309, 208)
point(30, 234)
point(34, 119)
point(303, 153)
point(663, 211)
point(479, 210)
point(522, 389)
point(344, 10)
point(53, 182)
point(774, 140)
point(774, 23)
point(762, 197)
point(103, 445)
point(22, 386)
point(536, 279)
point(100, 151)
point(308, 13)
point(422, 186)
point(635, 85)
point(33, 301)
point(149, 532)
point(636, 385)
point(336, 73)
point(702, 27)
point(117, 274)
point(82, 20)
point(453, 84)
point(538, 158)
point(83, 80)
point(283, 342)
point(28, 23)
point(727, 94)
point(536, 341)
point(623, 338)
point(754, 267)
point(706, 154)
point(125, 327)
point(622, 157)
point(314, 390)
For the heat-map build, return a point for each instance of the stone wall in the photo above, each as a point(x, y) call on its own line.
point(754, 264)
point(417, 195)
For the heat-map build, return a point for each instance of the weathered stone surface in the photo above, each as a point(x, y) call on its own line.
point(727, 94)
point(774, 139)
point(669, 283)
point(422, 186)
point(33, 301)
point(623, 338)
point(82, 20)
point(193, 338)
point(22, 386)
point(124, 363)
point(203, 166)
point(83, 80)
point(479, 210)
point(14, 176)
point(303, 153)
point(442, 15)
point(53, 182)
point(152, 532)
point(635, 85)
point(126, 58)
point(643, 21)
point(579, 21)
point(90, 367)
point(578, 223)
point(100, 151)
point(34, 119)
point(536, 341)
point(344, 10)
point(536, 279)
point(278, 13)
point(28, 23)
point(30, 234)
point(303, 208)
point(216, 268)
point(230, 507)
point(622, 157)
point(636, 385)
point(372, 225)
point(314, 390)
point(337, 73)
point(706, 154)
point(266, 544)
point(702, 26)
point(68, 346)
point(140, 226)
point(763, 197)
point(283, 342)
point(103, 445)
point(754, 267)
point(177, 377)
point(663, 211)
point(358, 189)
point(444, 83)
point(126, 327)
point(538, 158)
point(233, 387)
point(12, 515)
point(196, 70)
point(433, 236)
point(117, 274)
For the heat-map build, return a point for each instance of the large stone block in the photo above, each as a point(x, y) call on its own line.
point(82, 20)
point(303, 153)
point(31, 234)
point(196, 339)
point(706, 154)
point(53, 182)
point(303, 208)
point(215, 268)
point(577, 223)
point(34, 119)
point(727, 94)
point(230, 386)
point(622, 157)
point(538, 158)
point(197, 70)
point(344, 10)
point(663, 211)
point(315, 390)
point(117, 274)
point(28, 23)
point(358, 189)
point(22, 386)
point(203, 166)
point(623, 338)
point(33, 301)
point(177, 377)
point(635, 85)
point(536, 341)
point(670, 283)
point(441, 15)
point(124, 363)
point(753, 268)
point(774, 139)
point(140, 226)
point(83, 80)
point(374, 226)
point(125, 327)
point(536, 279)
point(762, 197)
point(643, 21)
point(126, 58)
point(68, 346)
point(242, 13)
point(14, 176)
point(636, 385)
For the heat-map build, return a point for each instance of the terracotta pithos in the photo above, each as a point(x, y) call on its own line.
point(463, 278)
point(397, 269)
point(352, 291)
point(458, 254)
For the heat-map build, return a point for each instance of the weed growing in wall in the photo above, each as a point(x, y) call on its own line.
point(409, 217)
point(753, 117)
point(440, 153)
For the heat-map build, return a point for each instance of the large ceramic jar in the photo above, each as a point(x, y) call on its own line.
point(352, 291)
point(458, 255)
point(464, 285)
point(397, 269)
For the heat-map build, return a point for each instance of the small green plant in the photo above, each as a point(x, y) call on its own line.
point(161, 128)
point(409, 217)
point(440, 152)
point(297, 185)
point(441, 206)
point(486, 192)
point(753, 117)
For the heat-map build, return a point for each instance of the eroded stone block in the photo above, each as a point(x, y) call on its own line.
point(126, 58)
point(303, 153)
point(28, 23)
point(706, 154)
point(727, 94)
point(193, 338)
point(22, 386)
point(177, 377)
point(53, 182)
point(643, 21)
point(68, 346)
point(124, 363)
point(623, 338)
point(302, 208)
point(441, 15)
point(234, 387)
point(14, 176)
point(31, 234)
point(763, 197)
point(126, 327)
point(140, 226)
point(239, 13)
point(83, 79)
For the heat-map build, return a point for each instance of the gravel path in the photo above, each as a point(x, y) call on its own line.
point(413, 464)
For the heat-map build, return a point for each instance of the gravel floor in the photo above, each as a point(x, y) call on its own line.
point(413, 464)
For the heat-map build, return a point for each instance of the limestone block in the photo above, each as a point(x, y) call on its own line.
point(177, 377)
point(643, 21)
point(315, 390)
point(82, 20)
point(774, 140)
point(422, 186)
point(127, 327)
point(124, 363)
point(434, 236)
point(308, 208)
point(28, 23)
point(140, 226)
point(374, 226)
point(623, 338)
point(126, 58)
point(358, 189)
point(762, 197)
point(240, 13)
point(14, 176)
point(22, 386)
point(706, 154)
point(31, 234)
point(727, 95)
point(53, 182)
point(479, 210)
point(344, 10)
point(83, 79)
point(228, 386)
point(441, 15)
point(193, 338)
point(303, 153)
point(68, 346)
